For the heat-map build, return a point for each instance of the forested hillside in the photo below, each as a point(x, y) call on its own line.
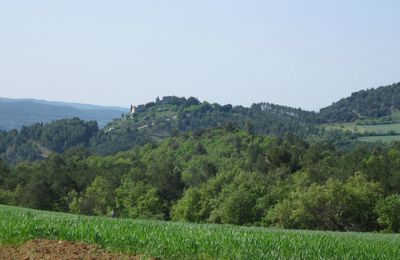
point(224, 175)
point(153, 123)
point(170, 115)
point(156, 121)
point(37, 141)
point(371, 103)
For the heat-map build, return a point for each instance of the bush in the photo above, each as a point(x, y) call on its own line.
point(388, 210)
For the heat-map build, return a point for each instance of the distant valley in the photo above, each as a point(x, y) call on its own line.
point(15, 113)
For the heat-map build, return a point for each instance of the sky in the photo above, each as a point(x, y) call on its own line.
point(304, 54)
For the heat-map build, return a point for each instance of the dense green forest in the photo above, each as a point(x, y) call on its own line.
point(37, 141)
point(224, 175)
point(371, 103)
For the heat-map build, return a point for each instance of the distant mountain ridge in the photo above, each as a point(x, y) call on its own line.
point(15, 113)
point(63, 103)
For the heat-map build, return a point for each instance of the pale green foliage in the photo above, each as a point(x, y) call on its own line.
point(188, 208)
point(138, 200)
point(334, 205)
point(228, 198)
point(73, 199)
point(242, 201)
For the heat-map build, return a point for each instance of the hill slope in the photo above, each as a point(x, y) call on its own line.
point(152, 122)
point(371, 103)
point(15, 113)
point(158, 120)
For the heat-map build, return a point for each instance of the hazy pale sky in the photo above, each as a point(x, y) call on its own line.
point(298, 53)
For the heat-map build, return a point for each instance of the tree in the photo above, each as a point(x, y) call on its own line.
point(388, 213)
point(242, 201)
point(238, 208)
point(165, 176)
point(249, 127)
point(37, 194)
point(4, 171)
point(138, 200)
point(6, 197)
point(98, 198)
point(188, 208)
point(333, 206)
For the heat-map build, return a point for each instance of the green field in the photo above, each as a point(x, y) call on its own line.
point(363, 129)
point(382, 138)
point(382, 131)
point(169, 240)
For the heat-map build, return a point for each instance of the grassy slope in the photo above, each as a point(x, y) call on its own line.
point(385, 132)
point(383, 138)
point(187, 241)
point(362, 129)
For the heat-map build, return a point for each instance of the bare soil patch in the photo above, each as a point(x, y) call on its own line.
point(50, 249)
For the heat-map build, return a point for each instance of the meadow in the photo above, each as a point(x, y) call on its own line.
point(169, 240)
point(385, 133)
point(363, 129)
point(379, 138)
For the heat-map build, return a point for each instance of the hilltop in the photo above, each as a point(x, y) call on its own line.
point(373, 115)
point(167, 116)
point(150, 123)
point(364, 104)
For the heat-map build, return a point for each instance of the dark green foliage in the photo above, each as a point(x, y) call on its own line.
point(4, 171)
point(138, 200)
point(66, 133)
point(371, 103)
point(37, 141)
point(105, 143)
point(97, 199)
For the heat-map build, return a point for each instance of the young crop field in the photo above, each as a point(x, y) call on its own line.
point(168, 240)
point(363, 129)
point(382, 138)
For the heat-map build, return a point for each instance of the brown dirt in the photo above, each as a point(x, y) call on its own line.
point(50, 249)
